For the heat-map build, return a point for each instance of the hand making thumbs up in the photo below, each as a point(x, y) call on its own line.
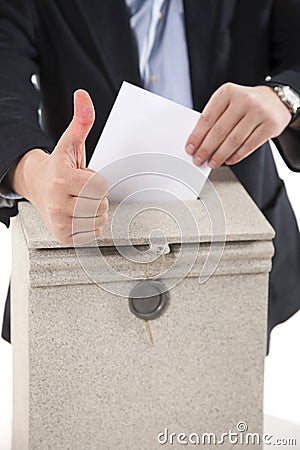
point(70, 198)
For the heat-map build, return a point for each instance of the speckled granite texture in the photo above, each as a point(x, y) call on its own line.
point(85, 374)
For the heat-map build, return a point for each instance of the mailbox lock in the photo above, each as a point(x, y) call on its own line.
point(148, 299)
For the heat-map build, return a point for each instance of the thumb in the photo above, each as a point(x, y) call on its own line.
point(72, 141)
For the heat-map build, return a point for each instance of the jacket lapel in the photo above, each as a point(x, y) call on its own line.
point(105, 27)
point(206, 25)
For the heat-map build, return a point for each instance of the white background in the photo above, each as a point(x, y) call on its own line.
point(282, 369)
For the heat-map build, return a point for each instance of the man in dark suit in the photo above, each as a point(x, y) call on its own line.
point(242, 57)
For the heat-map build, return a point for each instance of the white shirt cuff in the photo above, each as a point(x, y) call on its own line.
point(8, 197)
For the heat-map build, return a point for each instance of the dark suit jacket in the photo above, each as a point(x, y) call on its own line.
point(89, 44)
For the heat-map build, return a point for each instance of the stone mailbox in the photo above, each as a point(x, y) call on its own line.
point(114, 353)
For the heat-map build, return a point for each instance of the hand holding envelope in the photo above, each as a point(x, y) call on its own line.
point(141, 150)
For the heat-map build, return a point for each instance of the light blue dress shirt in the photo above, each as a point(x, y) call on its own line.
point(159, 29)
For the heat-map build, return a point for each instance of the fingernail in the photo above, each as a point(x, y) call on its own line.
point(190, 149)
point(197, 161)
point(212, 164)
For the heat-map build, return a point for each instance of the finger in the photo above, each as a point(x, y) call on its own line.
point(236, 138)
point(86, 237)
point(85, 207)
point(218, 134)
point(72, 142)
point(85, 183)
point(64, 228)
point(84, 224)
point(215, 107)
point(255, 140)
point(78, 207)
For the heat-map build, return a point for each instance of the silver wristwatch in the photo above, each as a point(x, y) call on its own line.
point(290, 98)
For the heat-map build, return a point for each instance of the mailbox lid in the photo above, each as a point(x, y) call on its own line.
point(242, 218)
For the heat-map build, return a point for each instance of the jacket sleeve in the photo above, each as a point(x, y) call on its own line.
point(20, 130)
point(285, 69)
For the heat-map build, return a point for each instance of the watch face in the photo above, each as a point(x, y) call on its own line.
point(291, 96)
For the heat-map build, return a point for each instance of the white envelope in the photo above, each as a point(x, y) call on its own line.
point(141, 149)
